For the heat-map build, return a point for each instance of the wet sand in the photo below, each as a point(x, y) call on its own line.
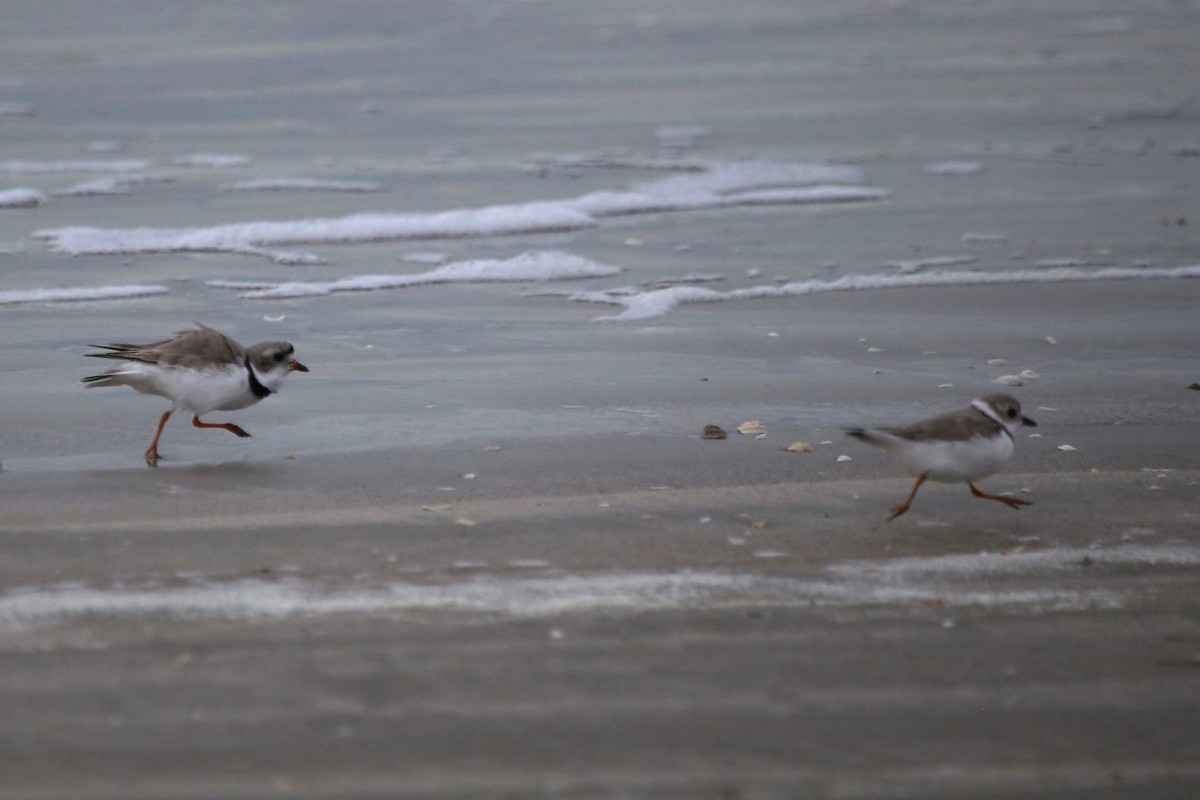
point(481, 549)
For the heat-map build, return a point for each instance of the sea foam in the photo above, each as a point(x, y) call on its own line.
point(76, 165)
point(21, 198)
point(718, 185)
point(647, 305)
point(302, 185)
point(1031, 583)
point(78, 294)
point(530, 266)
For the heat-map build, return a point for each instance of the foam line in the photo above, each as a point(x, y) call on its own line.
point(39, 606)
point(530, 266)
point(74, 295)
point(76, 165)
point(302, 185)
point(212, 160)
point(21, 198)
point(657, 303)
point(719, 185)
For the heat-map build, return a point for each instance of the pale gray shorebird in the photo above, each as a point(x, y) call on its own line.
point(199, 371)
point(959, 447)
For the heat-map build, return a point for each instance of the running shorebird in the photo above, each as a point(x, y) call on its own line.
point(959, 447)
point(199, 371)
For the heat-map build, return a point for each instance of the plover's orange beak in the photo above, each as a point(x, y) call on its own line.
point(297, 366)
point(1028, 422)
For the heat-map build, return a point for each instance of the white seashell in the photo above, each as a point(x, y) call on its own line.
point(1009, 380)
point(799, 447)
point(752, 428)
point(1066, 448)
point(996, 362)
point(1028, 373)
point(844, 458)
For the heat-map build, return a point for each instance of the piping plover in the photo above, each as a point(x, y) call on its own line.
point(959, 447)
point(199, 371)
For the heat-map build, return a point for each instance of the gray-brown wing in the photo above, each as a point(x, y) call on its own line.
point(959, 425)
point(200, 348)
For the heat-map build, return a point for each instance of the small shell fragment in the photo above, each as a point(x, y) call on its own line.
point(713, 432)
point(844, 458)
point(1028, 374)
point(752, 428)
point(1051, 340)
point(1066, 448)
point(466, 522)
point(996, 362)
point(799, 447)
point(1009, 380)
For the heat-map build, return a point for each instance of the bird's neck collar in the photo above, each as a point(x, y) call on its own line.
point(990, 413)
point(256, 386)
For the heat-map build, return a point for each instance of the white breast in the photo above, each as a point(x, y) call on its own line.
point(955, 462)
point(198, 392)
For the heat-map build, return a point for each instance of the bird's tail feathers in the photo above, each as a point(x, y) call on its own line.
point(119, 352)
point(868, 435)
point(114, 378)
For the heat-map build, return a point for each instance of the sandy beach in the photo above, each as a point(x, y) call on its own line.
point(529, 250)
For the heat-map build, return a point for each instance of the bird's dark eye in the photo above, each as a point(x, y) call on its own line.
point(281, 356)
point(1012, 412)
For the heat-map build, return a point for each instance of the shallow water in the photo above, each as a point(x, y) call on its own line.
point(494, 130)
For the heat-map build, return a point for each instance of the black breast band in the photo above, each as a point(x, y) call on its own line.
point(1003, 428)
point(256, 387)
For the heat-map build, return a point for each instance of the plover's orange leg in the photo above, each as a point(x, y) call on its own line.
point(229, 426)
point(900, 509)
point(152, 450)
point(1011, 502)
